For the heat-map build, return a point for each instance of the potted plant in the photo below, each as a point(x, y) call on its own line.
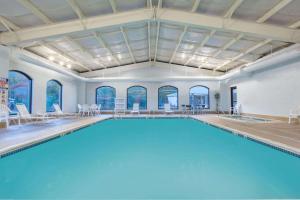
point(217, 97)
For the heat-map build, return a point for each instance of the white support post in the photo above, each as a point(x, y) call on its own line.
point(273, 11)
point(178, 43)
point(233, 8)
point(35, 10)
point(245, 53)
point(102, 43)
point(127, 44)
point(156, 41)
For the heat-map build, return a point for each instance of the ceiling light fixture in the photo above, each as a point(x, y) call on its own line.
point(69, 66)
point(61, 63)
point(109, 58)
point(51, 58)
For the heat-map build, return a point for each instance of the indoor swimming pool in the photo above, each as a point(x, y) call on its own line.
point(150, 158)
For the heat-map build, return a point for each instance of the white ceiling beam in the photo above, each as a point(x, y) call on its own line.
point(8, 23)
point(67, 27)
point(228, 24)
point(295, 25)
point(156, 40)
point(203, 42)
point(35, 10)
point(159, 4)
point(113, 5)
point(127, 44)
point(228, 44)
point(165, 15)
point(244, 53)
point(82, 49)
point(273, 11)
point(178, 43)
point(76, 9)
point(149, 4)
point(63, 54)
point(43, 44)
point(102, 43)
point(195, 5)
point(233, 8)
point(149, 41)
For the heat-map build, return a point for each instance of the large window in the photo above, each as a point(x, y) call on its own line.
point(105, 96)
point(137, 94)
point(19, 90)
point(54, 94)
point(199, 97)
point(168, 94)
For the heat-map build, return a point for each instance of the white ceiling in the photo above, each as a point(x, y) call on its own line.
point(152, 40)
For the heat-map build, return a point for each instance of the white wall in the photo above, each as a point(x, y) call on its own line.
point(152, 90)
point(40, 77)
point(272, 92)
point(4, 61)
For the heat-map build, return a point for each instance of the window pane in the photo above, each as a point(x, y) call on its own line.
point(168, 94)
point(54, 92)
point(199, 96)
point(137, 94)
point(106, 97)
point(19, 90)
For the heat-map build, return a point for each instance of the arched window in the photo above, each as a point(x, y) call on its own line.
point(199, 96)
point(168, 94)
point(137, 94)
point(19, 89)
point(54, 95)
point(105, 96)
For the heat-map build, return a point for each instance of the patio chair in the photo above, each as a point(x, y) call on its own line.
point(167, 109)
point(84, 110)
point(236, 110)
point(95, 109)
point(5, 115)
point(135, 108)
point(294, 114)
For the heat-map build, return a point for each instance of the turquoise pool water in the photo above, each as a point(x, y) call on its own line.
point(150, 158)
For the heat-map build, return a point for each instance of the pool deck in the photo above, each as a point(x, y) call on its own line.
point(277, 133)
point(17, 137)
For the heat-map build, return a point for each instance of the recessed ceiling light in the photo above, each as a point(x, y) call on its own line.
point(61, 63)
point(109, 58)
point(51, 58)
point(69, 66)
point(183, 56)
point(119, 56)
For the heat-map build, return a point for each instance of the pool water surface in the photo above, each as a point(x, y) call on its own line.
point(150, 158)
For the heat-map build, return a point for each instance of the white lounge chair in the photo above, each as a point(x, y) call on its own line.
point(26, 116)
point(167, 108)
point(59, 113)
point(135, 108)
point(294, 114)
point(5, 115)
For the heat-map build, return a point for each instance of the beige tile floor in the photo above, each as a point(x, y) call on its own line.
point(18, 136)
point(277, 133)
